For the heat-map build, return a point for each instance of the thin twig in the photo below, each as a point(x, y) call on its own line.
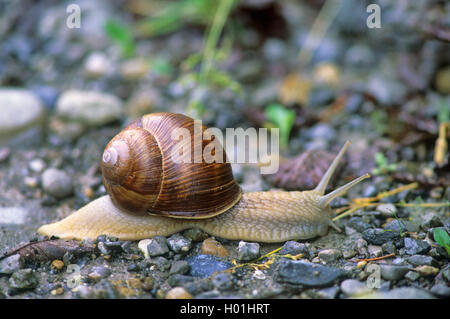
point(376, 258)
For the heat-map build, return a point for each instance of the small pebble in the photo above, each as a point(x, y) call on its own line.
point(206, 265)
point(440, 290)
point(419, 260)
point(157, 246)
point(378, 236)
point(393, 272)
point(294, 248)
point(89, 107)
point(248, 251)
point(134, 283)
point(10, 264)
point(308, 274)
point(142, 246)
point(353, 287)
point(99, 272)
point(374, 251)
point(328, 293)
point(425, 270)
point(387, 210)
point(330, 255)
point(56, 183)
point(361, 246)
point(179, 267)
point(4, 153)
point(415, 246)
point(210, 246)
point(179, 244)
point(412, 275)
point(161, 263)
point(389, 248)
point(222, 281)
point(37, 165)
point(57, 291)
point(13, 215)
point(24, 279)
point(430, 220)
point(178, 293)
point(97, 64)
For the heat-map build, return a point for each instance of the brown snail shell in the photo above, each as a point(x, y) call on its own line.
point(141, 177)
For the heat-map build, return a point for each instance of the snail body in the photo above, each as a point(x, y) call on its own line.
point(164, 202)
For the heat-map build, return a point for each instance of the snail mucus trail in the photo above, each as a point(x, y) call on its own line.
point(173, 196)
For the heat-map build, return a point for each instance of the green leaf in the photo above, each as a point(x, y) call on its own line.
point(122, 35)
point(282, 118)
point(162, 67)
point(442, 238)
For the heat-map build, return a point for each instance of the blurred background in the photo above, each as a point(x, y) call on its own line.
point(73, 73)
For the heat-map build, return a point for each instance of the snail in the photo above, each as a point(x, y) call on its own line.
point(150, 194)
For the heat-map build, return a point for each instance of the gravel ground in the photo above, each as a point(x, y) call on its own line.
point(65, 93)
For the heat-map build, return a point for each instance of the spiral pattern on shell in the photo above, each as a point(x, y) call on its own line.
point(141, 176)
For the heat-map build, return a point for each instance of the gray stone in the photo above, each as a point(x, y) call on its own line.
point(406, 293)
point(377, 236)
point(10, 264)
point(89, 107)
point(308, 274)
point(416, 246)
point(99, 272)
point(177, 280)
point(389, 248)
point(353, 287)
point(328, 293)
point(247, 251)
point(440, 290)
point(97, 64)
point(393, 272)
point(330, 255)
point(412, 276)
point(222, 281)
point(387, 210)
point(179, 244)
point(419, 260)
point(20, 110)
point(24, 279)
point(161, 263)
point(375, 251)
point(358, 224)
point(361, 246)
point(430, 220)
point(179, 267)
point(157, 246)
point(206, 265)
point(13, 215)
point(294, 248)
point(56, 183)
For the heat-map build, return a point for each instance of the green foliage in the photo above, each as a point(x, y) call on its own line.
point(282, 118)
point(209, 75)
point(444, 110)
point(383, 167)
point(122, 35)
point(173, 15)
point(442, 238)
point(162, 67)
point(379, 121)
